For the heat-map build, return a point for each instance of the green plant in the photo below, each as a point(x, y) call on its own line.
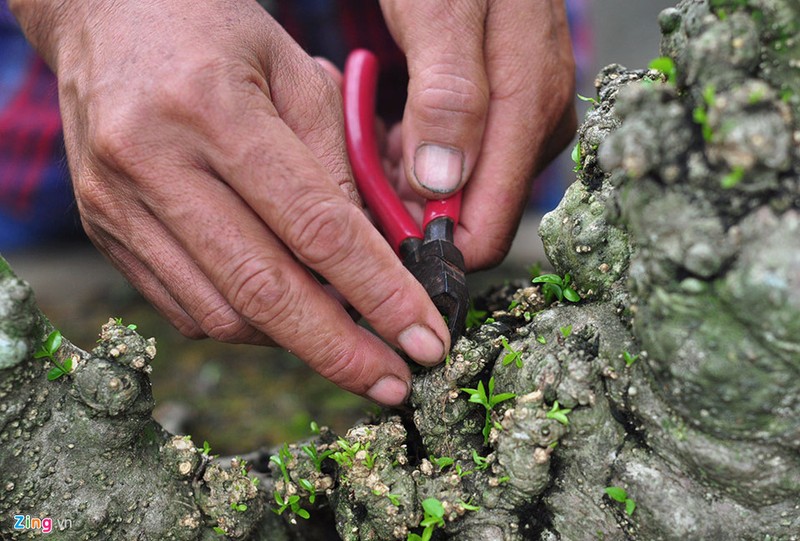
point(589, 100)
point(468, 506)
point(556, 287)
point(433, 517)
point(481, 462)
point(541, 339)
point(620, 495)
point(733, 178)
point(314, 427)
point(316, 457)
point(475, 317)
point(665, 65)
point(559, 414)
point(577, 157)
point(441, 462)
point(308, 486)
point(700, 113)
point(566, 330)
point(347, 455)
point(503, 480)
point(461, 472)
point(292, 502)
point(512, 355)
point(629, 359)
point(47, 350)
point(241, 507)
point(488, 401)
point(219, 531)
point(282, 460)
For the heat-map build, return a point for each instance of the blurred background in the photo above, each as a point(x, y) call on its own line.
point(242, 397)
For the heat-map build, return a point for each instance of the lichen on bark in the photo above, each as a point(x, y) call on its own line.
point(675, 378)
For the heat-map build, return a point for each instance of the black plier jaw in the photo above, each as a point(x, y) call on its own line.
point(439, 266)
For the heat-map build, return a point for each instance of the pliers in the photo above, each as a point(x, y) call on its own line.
point(432, 258)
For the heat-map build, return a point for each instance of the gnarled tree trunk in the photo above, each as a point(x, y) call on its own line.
point(663, 405)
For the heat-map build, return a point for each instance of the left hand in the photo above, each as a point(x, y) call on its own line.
point(490, 103)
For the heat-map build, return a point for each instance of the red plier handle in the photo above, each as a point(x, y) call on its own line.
point(432, 258)
point(360, 83)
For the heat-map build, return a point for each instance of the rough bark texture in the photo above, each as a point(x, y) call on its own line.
point(683, 237)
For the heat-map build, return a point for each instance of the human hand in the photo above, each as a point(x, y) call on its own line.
point(208, 162)
point(490, 102)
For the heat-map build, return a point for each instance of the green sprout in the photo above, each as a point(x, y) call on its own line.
point(541, 339)
point(347, 455)
point(308, 486)
point(503, 480)
point(733, 178)
point(441, 462)
point(47, 350)
point(566, 330)
point(316, 457)
point(481, 462)
point(433, 518)
point(556, 287)
point(513, 356)
point(394, 499)
point(665, 65)
point(219, 531)
point(461, 472)
point(241, 507)
point(314, 427)
point(468, 506)
point(488, 401)
point(282, 460)
point(559, 414)
point(620, 495)
point(700, 113)
point(577, 157)
point(629, 359)
point(589, 100)
point(292, 502)
point(475, 317)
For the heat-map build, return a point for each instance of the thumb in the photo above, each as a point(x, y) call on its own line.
point(448, 92)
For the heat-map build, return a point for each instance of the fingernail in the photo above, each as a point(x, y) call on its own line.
point(389, 390)
point(438, 168)
point(421, 344)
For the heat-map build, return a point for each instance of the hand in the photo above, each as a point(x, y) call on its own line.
point(490, 102)
point(208, 162)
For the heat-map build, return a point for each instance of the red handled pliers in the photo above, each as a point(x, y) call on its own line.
point(433, 257)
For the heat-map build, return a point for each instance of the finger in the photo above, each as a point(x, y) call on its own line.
point(306, 94)
point(333, 237)
point(448, 91)
point(273, 293)
point(327, 233)
point(149, 257)
point(531, 117)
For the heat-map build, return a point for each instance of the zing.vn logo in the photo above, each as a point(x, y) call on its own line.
point(26, 522)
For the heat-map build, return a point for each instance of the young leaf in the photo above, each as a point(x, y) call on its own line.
point(617, 494)
point(630, 506)
point(54, 373)
point(571, 295)
point(559, 414)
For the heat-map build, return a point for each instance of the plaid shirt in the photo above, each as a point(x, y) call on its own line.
point(36, 202)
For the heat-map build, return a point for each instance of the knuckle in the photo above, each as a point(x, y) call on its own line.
point(223, 324)
point(388, 303)
point(448, 97)
point(343, 368)
point(320, 229)
point(188, 328)
point(261, 292)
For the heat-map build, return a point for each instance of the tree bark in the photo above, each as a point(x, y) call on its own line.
point(663, 405)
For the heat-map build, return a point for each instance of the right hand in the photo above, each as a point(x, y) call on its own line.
point(208, 161)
